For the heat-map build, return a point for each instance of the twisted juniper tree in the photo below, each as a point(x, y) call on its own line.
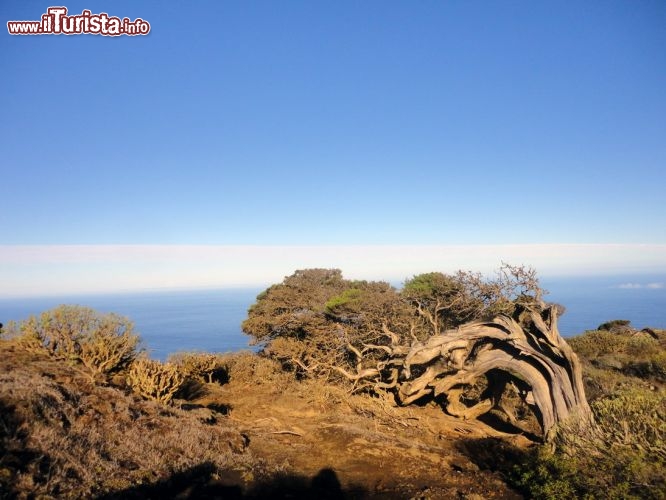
point(462, 339)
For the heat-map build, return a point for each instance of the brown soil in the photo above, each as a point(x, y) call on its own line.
point(361, 446)
point(286, 439)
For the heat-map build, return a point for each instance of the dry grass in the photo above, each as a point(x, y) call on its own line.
point(62, 436)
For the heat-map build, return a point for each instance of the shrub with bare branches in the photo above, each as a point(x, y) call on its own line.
point(154, 380)
point(103, 343)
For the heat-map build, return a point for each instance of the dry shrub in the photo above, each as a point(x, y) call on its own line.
point(249, 368)
point(596, 343)
point(201, 366)
point(72, 439)
point(640, 354)
point(635, 419)
point(602, 383)
point(108, 351)
point(104, 343)
point(154, 380)
point(294, 355)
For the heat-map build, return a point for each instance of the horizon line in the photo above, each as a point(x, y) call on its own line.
point(31, 270)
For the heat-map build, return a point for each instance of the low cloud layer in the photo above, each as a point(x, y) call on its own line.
point(637, 286)
point(67, 269)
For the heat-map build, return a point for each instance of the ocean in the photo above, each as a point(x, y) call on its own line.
point(209, 320)
point(168, 322)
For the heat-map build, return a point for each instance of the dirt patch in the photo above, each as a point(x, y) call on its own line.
point(370, 446)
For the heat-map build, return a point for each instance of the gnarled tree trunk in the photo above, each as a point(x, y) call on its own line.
point(527, 350)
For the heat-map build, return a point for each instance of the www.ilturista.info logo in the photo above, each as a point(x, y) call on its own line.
point(57, 22)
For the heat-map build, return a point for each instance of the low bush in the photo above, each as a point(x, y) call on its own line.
point(62, 437)
point(595, 343)
point(249, 368)
point(643, 346)
point(154, 380)
point(652, 368)
point(616, 326)
point(601, 383)
point(104, 343)
point(201, 366)
point(633, 353)
point(635, 419)
point(622, 456)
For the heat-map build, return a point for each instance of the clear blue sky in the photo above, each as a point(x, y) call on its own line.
point(338, 122)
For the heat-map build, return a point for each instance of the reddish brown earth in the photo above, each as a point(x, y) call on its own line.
point(274, 437)
point(365, 447)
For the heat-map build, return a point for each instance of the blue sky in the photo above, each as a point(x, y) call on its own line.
point(301, 123)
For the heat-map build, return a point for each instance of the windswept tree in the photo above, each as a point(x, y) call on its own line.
point(319, 323)
point(373, 320)
point(441, 301)
point(445, 301)
point(290, 322)
point(442, 335)
point(295, 307)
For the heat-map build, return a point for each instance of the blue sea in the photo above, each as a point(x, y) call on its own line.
point(209, 320)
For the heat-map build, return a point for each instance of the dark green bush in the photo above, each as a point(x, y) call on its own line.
point(616, 326)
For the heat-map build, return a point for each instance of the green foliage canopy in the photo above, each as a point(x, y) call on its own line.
point(318, 322)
